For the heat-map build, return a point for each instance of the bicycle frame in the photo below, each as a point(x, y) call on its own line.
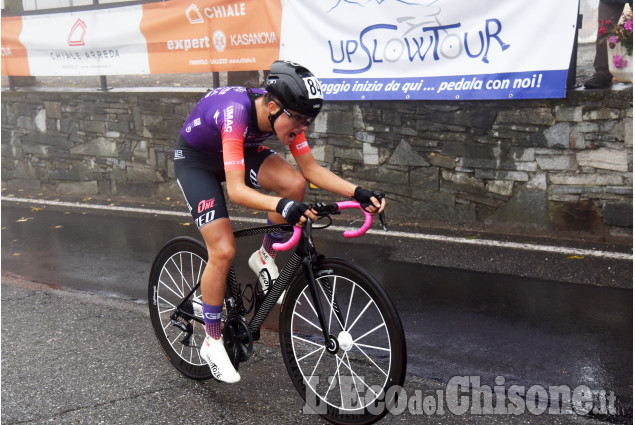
point(304, 256)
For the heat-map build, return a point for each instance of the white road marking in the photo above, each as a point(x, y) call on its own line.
point(418, 236)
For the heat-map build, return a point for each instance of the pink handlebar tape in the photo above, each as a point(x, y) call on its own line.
point(345, 205)
point(284, 246)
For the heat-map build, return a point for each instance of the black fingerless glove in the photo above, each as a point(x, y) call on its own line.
point(291, 210)
point(363, 196)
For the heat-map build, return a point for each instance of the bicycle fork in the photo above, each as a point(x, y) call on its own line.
point(330, 342)
point(309, 260)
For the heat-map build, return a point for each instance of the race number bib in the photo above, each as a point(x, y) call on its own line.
point(313, 87)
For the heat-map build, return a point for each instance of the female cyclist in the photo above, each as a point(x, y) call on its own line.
point(221, 141)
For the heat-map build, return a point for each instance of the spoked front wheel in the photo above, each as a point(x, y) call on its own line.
point(345, 380)
point(175, 304)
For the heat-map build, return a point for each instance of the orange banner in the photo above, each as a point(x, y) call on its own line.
point(186, 36)
point(14, 57)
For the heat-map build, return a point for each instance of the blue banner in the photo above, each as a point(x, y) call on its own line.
point(511, 85)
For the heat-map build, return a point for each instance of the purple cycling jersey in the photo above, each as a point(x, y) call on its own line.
point(223, 114)
point(224, 121)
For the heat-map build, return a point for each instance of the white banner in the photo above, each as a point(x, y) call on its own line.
point(432, 49)
point(98, 42)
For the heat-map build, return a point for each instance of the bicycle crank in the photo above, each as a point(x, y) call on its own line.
point(239, 343)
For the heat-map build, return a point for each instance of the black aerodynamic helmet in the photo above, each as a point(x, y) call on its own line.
point(296, 87)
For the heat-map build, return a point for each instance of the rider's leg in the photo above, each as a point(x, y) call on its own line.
point(221, 248)
point(277, 175)
point(199, 176)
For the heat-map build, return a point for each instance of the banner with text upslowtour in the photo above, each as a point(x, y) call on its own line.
point(432, 49)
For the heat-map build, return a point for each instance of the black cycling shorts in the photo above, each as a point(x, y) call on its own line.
point(200, 174)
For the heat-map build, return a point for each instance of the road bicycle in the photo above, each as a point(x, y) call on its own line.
point(341, 337)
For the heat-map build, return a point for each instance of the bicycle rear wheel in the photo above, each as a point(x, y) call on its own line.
point(348, 384)
point(176, 270)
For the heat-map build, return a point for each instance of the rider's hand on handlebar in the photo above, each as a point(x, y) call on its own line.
point(373, 201)
point(295, 212)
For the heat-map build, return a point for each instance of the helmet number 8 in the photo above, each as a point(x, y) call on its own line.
point(313, 87)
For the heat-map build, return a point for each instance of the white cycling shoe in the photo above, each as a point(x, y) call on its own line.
point(213, 352)
point(259, 261)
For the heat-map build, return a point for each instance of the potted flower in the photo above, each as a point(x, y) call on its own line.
point(619, 38)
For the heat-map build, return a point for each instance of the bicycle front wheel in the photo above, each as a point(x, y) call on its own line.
point(347, 382)
point(176, 271)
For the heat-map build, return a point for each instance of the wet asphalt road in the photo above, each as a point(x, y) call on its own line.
point(458, 322)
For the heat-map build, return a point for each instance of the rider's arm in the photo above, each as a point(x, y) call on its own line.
point(322, 177)
point(234, 164)
point(327, 180)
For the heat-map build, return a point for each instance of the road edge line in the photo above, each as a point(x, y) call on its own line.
point(418, 236)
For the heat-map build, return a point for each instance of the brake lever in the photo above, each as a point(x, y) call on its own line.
point(324, 209)
point(382, 219)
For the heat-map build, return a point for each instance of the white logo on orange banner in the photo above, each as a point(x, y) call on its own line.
point(220, 41)
point(194, 15)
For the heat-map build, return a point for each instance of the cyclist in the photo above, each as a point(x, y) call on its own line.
point(221, 141)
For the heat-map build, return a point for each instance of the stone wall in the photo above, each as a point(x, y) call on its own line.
point(562, 164)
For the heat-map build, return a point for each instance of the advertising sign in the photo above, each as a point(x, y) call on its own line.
point(176, 36)
point(14, 60)
point(96, 42)
point(358, 49)
point(432, 49)
point(204, 36)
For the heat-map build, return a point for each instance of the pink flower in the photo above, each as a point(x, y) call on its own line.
point(628, 25)
point(617, 59)
point(613, 40)
point(619, 62)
